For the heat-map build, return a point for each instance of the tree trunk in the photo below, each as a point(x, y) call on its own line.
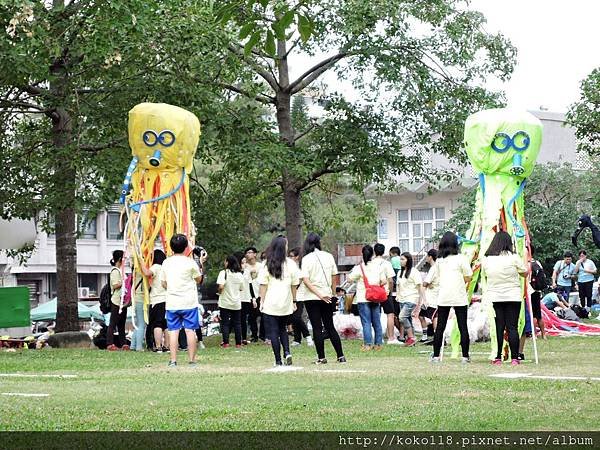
point(289, 186)
point(65, 179)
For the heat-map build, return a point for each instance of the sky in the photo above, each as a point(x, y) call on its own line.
point(557, 45)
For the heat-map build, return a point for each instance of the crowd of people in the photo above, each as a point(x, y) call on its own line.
point(264, 298)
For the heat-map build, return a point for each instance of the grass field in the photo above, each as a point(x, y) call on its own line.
point(395, 389)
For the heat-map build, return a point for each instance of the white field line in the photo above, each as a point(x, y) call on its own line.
point(341, 371)
point(543, 377)
point(284, 369)
point(21, 394)
point(35, 375)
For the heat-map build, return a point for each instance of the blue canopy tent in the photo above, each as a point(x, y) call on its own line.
point(47, 311)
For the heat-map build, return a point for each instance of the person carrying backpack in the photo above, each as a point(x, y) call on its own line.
point(118, 315)
point(538, 285)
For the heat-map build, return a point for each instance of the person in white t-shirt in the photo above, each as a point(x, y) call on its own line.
point(503, 270)
point(279, 279)
point(454, 272)
point(180, 275)
point(410, 293)
point(431, 283)
point(389, 307)
point(316, 292)
point(157, 321)
point(230, 285)
point(370, 312)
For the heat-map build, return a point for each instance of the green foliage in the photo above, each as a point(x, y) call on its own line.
point(555, 197)
point(584, 115)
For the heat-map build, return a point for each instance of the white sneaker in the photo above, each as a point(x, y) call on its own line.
point(394, 342)
point(309, 341)
point(296, 344)
point(201, 345)
point(423, 338)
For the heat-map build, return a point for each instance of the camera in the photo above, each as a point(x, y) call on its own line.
point(199, 251)
point(566, 276)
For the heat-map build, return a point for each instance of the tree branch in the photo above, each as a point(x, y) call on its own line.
point(315, 72)
point(263, 98)
point(305, 132)
point(255, 66)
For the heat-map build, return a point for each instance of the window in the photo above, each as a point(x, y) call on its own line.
point(403, 230)
point(415, 235)
point(88, 229)
point(89, 280)
point(113, 226)
point(382, 229)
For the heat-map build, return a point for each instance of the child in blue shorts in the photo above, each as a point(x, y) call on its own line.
point(180, 275)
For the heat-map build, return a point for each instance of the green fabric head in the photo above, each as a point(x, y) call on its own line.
point(503, 141)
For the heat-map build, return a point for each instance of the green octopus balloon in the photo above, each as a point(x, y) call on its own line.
point(502, 146)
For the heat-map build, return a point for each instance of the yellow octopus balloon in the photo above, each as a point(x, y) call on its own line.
point(163, 139)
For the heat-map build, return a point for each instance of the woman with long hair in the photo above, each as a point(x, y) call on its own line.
point(409, 292)
point(279, 280)
point(317, 269)
point(230, 284)
point(453, 271)
point(503, 269)
point(157, 321)
point(370, 312)
point(118, 316)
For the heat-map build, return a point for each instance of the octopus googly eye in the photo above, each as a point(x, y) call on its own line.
point(521, 141)
point(166, 138)
point(150, 138)
point(501, 142)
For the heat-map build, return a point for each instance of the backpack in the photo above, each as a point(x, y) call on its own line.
point(105, 296)
point(567, 314)
point(582, 313)
point(538, 277)
point(128, 290)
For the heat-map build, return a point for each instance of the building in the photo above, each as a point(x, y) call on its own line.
point(99, 237)
point(409, 217)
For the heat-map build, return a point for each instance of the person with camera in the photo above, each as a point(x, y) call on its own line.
point(563, 275)
point(251, 270)
point(585, 269)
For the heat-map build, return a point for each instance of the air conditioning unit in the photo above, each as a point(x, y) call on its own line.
point(83, 292)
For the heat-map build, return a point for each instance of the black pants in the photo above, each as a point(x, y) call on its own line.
point(320, 315)
point(277, 333)
point(298, 324)
point(231, 319)
point(585, 293)
point(442, 319)
point(255, 315)
point(116, 321)
point(507, 316)
point(246, 307)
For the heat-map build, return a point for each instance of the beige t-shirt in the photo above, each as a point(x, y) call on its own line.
point(452, 288)
point(180, 273)
point(408, 288)
point(375, 276)
point(318, 267)
point(278, 299)
point(157, 292)
point(503, 280)
point(433, 289)
point(251, 277)
point(387, 268)
point(115, 278)
point(233, 286)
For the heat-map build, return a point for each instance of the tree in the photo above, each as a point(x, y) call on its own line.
point(416, 65)
point(555, 197)
point(70, 71)
point(584, 115)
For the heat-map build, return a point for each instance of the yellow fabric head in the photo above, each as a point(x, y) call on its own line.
point(163, 137)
